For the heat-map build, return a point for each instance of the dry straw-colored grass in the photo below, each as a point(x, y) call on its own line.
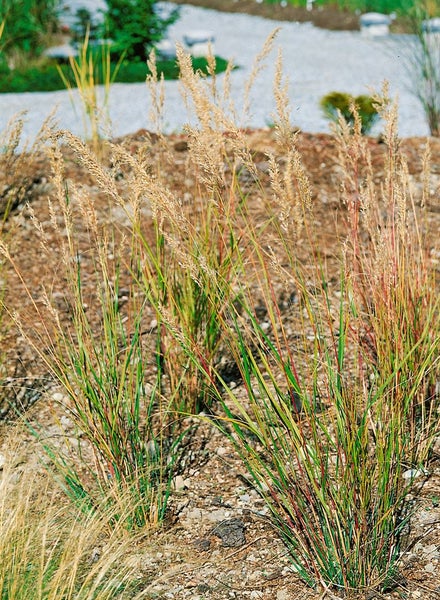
point(51, 550)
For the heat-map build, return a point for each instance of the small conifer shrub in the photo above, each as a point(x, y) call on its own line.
point(337, 104)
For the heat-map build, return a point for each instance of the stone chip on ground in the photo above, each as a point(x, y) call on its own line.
point(231, 532)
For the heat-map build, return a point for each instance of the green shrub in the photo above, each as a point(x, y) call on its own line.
point(46, 78)
point(135, 25)
point(340, 104)
point(26, 24)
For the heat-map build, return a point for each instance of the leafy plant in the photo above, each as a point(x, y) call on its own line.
point(337, 104)
point(135, 25)
point(26, 23)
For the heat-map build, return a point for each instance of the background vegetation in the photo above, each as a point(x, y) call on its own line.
point(136, 25)
point(47, 78)
point(27, 24)
point(383, 6)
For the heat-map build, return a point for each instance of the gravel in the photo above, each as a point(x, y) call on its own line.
point(316, 61)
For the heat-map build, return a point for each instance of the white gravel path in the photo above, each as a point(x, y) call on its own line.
point(316, 62)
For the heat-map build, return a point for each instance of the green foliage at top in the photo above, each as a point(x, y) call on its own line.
point(47, 78)
point(25, 24)
point(336, 104)
point(382, 6)
point(135, 25)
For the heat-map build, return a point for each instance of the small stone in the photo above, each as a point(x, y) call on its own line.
point(231, 532)
point(282, 594)
point(195, 514)
point(2, 461)
point(431, 550)
point(66, 422)
point(413, 473)
point(179, 483)
point(430, 568)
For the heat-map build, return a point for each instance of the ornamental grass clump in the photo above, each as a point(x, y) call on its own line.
point(389, 266)
point(101, 355)
point(322, 450)
point(190, 269)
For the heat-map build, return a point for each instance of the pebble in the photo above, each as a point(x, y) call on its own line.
point(196, 514)
point(66, 422)
point(413, 473)
point(180, 483)
point(2, 461)
point(231, 532)
point(265, 326)
point(430, 568)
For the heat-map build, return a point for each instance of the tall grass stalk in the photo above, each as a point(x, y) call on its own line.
point(187, 267)
point(16, 154)
point(90, 76)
